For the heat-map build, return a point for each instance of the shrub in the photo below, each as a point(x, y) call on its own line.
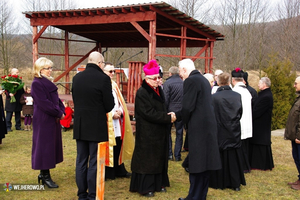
point(282, 78)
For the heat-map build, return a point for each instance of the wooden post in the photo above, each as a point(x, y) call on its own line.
point(67, 78)
point(100, 183)
point(34, 45)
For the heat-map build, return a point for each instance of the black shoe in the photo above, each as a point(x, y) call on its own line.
point(170, 158)
point(187, 169)
point(9, 130)
point(149, 194)
point(163, 189)
point(46, 179)
point(178, 159)
point(128, 175)
point(19, 129)
point(236, 189)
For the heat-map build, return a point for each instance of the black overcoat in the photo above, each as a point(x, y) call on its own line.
point(3, 129)
point(228, 111)
point(150, 155)
point(197, 112)
point(262, 118)
point(93, 98)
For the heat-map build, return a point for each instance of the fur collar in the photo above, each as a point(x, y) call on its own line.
point(160, 98)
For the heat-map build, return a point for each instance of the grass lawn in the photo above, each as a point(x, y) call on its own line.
point(15, 168)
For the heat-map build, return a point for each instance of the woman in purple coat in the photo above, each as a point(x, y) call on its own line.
point(48, 110)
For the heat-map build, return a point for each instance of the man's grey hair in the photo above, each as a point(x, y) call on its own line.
point(187, 63)
point(267, 81)
point(174, 70)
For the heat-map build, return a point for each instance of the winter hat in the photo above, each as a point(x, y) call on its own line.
point(238, 73)
point(151, 68)
point(246, 77)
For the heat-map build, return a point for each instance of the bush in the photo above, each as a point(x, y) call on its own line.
point(282, 80)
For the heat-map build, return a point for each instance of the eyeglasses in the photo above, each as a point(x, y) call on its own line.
point(49, 68)
point(111, 71)
point(101, 62)
point(154, 78)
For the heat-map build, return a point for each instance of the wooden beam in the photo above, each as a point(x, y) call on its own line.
point(39, 34)
point(132, 9)
point(175, 56)
point(211, 55)
point(185, 37)
point(115, 11)
point(67, 78)
point(124, 10)
point(75, 64)
point(201, 51)
point(180, 22)
point(183, 42)
point(141, 30)
point(34, 45)
point(152, 43)
point(98, 19)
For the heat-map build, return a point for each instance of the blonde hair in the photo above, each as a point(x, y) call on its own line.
point(40, 64)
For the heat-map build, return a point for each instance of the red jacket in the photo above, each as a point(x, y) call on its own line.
point(68, 118)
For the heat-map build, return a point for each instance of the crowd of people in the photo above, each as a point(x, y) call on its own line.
point(227, 121)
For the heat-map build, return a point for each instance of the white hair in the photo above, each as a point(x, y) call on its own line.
point(187, 63)
point(218, 72)
point(209, 77)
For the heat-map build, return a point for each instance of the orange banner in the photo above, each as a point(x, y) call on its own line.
point(101, 170)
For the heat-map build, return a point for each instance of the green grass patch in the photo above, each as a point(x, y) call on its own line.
point(15, 168)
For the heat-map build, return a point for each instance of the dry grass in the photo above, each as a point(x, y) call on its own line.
point(15, 168)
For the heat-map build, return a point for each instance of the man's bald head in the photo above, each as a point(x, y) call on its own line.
point(95, 57)
point(14, 71)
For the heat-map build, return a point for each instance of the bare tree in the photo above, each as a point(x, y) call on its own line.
point(198, 9)
point(240, 22)
point(8, 42)
point(287, 36)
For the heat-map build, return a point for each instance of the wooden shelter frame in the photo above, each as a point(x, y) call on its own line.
point(146, 25)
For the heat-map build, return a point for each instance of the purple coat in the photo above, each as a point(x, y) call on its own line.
point(46, 139)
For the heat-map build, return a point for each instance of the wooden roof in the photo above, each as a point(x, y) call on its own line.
point(113, 27)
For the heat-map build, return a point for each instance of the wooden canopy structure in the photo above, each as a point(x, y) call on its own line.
point(148, 25)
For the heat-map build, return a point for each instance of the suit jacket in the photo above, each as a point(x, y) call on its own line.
point(198, 113)
point(92, 97)
point(173, 90)
point(262, 118)
point(15, 106)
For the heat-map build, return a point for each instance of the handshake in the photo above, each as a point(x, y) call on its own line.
point(173, 116)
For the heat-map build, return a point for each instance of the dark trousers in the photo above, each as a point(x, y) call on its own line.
point(86, 169)
point(178, 141)
point(17, 119)
point(296, 156)
point(198, 186)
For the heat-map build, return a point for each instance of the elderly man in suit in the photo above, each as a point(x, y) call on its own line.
point(198, 114)
point(93, 98)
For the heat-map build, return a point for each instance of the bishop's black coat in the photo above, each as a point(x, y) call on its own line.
point(150, 155)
